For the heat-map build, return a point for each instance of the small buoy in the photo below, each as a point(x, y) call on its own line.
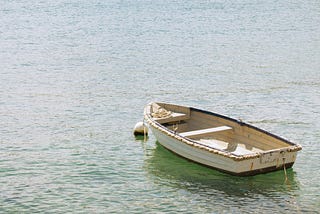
point(140, 129)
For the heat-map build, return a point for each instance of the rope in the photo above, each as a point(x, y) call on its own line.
point(144, 131)
point(175, 127)
point(161, 113)
point(285, 171)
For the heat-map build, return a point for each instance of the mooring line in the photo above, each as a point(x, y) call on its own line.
point(284, 169)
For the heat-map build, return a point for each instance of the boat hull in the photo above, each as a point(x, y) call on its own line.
point(186, 144)
point(240, 168)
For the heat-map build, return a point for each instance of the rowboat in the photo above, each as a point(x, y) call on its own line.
point(217, 141)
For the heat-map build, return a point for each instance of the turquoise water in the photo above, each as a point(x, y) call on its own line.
point(75, 76)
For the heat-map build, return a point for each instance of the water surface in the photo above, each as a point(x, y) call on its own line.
point(75, 76)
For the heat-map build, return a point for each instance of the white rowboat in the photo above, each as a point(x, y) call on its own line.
point(218, 141)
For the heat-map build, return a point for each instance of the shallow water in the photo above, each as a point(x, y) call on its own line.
point(75, 76)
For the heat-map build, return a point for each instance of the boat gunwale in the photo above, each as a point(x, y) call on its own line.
point(147, 115)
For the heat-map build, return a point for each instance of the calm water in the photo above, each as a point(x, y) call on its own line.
point(75, 76)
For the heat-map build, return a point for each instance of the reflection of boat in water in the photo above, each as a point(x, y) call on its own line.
point(164, 166)
point(217, 141)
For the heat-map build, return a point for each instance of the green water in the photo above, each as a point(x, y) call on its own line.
point(76, 75)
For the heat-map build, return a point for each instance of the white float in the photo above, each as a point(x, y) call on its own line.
point(140, 129)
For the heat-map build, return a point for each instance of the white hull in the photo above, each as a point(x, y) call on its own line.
point(247, 164)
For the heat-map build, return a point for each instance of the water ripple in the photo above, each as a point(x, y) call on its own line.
point(75, 76)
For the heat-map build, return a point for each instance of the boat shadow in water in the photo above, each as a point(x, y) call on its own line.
point(167, 168)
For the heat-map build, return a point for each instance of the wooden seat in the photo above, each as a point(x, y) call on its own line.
point(173, 118)
point(205, 131)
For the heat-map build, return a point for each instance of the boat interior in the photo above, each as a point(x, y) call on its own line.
point(214, 130)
